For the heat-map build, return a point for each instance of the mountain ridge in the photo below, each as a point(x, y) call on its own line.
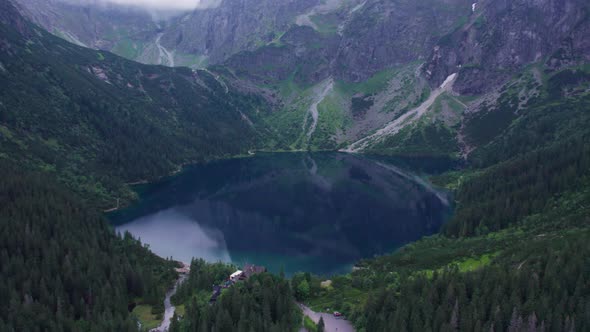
point(77, 124)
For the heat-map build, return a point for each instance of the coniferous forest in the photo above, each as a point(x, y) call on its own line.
point(62, 267)
point(262, 303)
point(78, 126)
point(514, 255)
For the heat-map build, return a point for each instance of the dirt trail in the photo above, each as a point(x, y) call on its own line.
point(332, 324)
point(396, 125)
point(169, 309)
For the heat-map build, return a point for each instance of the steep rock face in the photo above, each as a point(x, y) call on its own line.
point(503, 36)
point(380, 54)
point(370, 37)
point(302, 52)
point(233, 26)
point(9, 16)
point(385, 34)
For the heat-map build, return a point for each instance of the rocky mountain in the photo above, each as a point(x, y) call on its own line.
point(411, 77)
point(502, 84)
point(233, 26)
point(203, 36)
point(407, 77)
point(77, 113)
point(502, 37)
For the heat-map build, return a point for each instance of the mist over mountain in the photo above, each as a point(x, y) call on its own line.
point(159, 5)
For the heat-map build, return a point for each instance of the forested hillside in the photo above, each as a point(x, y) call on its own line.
point(70, 129)
point(96, 121)
point(263, 302)
point(514, 256)
point(78, 125)
point(61, 266)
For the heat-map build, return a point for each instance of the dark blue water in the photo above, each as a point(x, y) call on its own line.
point(300, 212)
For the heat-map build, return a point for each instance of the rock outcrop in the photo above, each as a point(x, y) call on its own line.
point(502, 36)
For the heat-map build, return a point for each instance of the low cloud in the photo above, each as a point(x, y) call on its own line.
point(164, 5)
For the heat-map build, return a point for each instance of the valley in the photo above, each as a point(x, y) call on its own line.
point(417, 166)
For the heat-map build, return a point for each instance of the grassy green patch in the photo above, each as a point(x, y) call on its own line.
point(466, 264)
point(454, 180)
point(471, 264)
point(181, 310)
point(128, 48)
point(331, 120)
point(342, 296)
point(309, 324)
point(376, 83)
point(420, 139)
point(144, 315)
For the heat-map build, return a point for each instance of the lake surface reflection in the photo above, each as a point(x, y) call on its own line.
point(318, 212)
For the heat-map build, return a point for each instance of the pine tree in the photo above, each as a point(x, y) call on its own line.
point(321, 325)
point(455, 317)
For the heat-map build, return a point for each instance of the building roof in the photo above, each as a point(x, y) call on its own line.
point(250, 270)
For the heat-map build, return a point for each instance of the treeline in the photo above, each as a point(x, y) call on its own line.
point(262, 303)
point(61, 266)
point(551, 118)
point(542, 154)
point(509, 191)
point(546, 289)
point(202, 278)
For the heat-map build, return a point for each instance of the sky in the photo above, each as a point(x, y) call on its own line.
point(157, 4)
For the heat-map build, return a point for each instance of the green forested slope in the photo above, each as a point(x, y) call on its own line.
point(95, 121)
point(514, 256)
point(264, 302)
point(61, 266)
point(75, 125)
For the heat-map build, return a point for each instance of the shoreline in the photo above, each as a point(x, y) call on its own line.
point(180, 168)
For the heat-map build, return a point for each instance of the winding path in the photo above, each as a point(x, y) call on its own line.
point(169, 309)
point(332, 324)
